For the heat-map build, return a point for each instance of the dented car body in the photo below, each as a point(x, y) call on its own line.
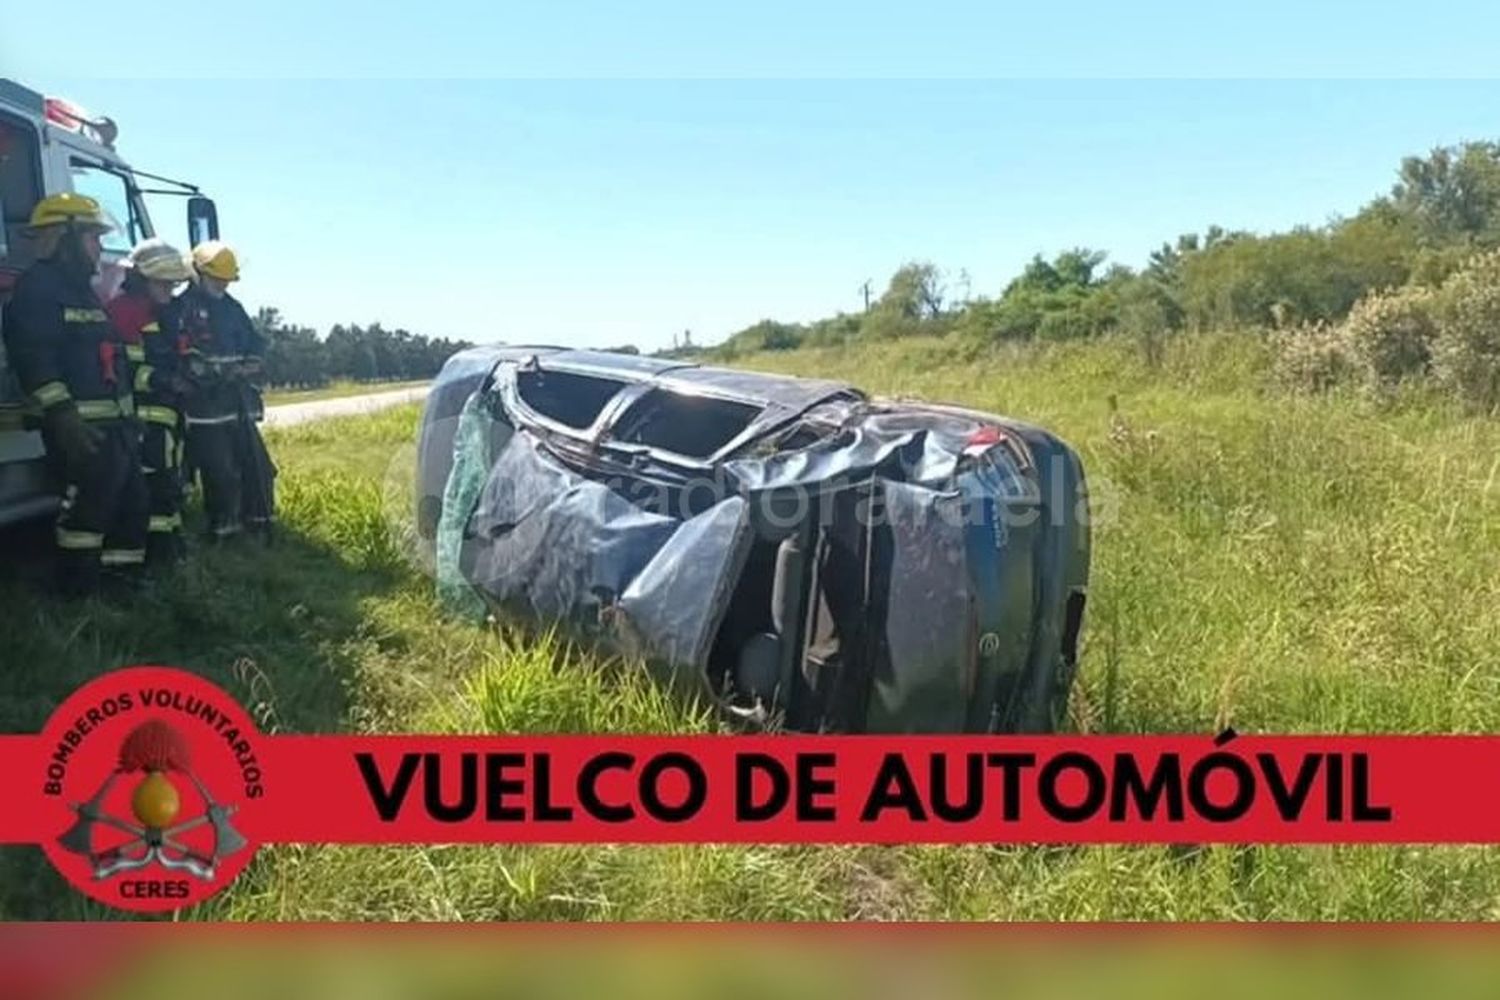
point(814, 557)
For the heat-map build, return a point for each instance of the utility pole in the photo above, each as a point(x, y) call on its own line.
point(865, 288)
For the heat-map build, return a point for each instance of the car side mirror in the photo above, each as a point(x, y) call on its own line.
point(202, 219)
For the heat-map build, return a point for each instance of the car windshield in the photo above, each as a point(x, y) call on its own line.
point(684, 424)
point(572, 400)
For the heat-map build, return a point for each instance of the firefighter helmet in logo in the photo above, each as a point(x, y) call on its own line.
point(156, 758)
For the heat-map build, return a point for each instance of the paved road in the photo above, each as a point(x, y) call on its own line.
point(288, 414)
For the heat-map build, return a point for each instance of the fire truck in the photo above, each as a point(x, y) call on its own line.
point(49, 145)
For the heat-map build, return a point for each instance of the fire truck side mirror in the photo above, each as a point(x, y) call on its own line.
point(202, 220)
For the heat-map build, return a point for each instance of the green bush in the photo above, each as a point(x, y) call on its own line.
point(887, 324)
point(1313, 358)
point(1389, 336)
point(1063, 325)
point(832, 331)
point(999, 320)
point(1449, 337)
point(1466, 353)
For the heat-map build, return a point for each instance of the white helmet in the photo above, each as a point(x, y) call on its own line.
point(158, 260)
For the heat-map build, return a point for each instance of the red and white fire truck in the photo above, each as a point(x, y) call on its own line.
point(48, 146)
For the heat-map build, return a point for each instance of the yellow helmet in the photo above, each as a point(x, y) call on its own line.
point(160, 261)
point(216, 260)
point(68, 209)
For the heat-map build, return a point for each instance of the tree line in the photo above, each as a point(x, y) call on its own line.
point(297, 357)
point(1428, 232)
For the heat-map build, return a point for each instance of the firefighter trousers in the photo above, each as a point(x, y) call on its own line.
point(161, 461)
point(236, 473)
point(257, 478)
point(102, 521)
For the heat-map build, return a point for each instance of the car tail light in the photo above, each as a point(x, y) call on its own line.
point(988, 436)
point(984, 437)
point(983, 440)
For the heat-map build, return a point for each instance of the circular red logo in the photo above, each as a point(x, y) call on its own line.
point(153, 776)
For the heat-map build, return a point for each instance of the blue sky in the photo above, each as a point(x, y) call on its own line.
point(469, 170)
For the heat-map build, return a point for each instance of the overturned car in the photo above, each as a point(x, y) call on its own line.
point(816, 558)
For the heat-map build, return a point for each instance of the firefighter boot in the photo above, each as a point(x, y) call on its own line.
point(123, 582)
point(164, 550)
point(77, 573)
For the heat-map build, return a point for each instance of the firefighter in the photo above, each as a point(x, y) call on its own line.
point(73, 366)
point(224, 356)
point(141, 318)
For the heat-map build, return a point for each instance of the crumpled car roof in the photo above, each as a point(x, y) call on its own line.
point(684, 376)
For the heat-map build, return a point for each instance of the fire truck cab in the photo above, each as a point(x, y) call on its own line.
point(49, 146)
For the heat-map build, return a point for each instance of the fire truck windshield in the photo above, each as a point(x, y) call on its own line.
point(112, 191)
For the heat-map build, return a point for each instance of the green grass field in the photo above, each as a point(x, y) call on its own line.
point(1277, 563)
point(336, 390)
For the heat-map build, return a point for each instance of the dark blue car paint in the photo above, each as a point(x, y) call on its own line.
point(985, 559)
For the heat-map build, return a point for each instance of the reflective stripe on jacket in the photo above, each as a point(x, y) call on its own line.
point(62, 346)
point(218, 335)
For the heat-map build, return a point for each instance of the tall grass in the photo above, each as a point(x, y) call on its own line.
point(1278, 563)
point(1281, 563)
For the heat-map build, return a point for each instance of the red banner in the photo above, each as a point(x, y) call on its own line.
point(786, 789)
point(150, 789)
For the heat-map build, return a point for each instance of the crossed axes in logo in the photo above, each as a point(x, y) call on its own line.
point(152, 844)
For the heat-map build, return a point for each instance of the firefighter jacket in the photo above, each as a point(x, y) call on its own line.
point(218, 336)
point(156, 351)
point(63, 348)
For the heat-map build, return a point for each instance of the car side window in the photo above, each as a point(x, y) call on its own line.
point(684, 424)
point(572, 400)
